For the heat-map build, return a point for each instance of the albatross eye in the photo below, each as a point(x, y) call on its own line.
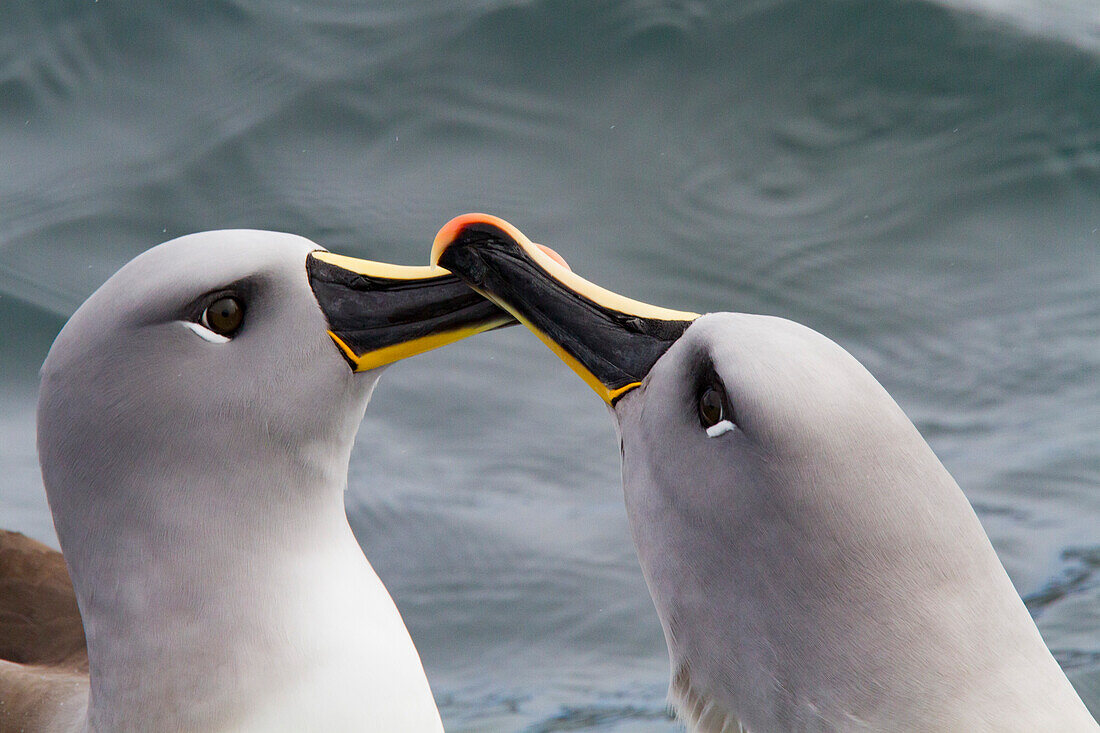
point(715, 413)
point(711, 406)
point(224, 316)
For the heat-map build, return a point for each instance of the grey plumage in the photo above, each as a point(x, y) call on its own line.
point(817, 568)
point(814, 566)
point(197, 486)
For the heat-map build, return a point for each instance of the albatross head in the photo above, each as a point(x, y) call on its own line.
point(251, 354)
point(813, 564)
point(209, 350)
point(195, 422)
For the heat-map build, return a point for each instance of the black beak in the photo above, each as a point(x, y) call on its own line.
point(609, 340)
point(379, 313)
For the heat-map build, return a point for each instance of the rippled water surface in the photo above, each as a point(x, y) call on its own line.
point(918, 181)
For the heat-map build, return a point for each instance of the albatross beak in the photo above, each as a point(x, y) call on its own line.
point(609, 340)
point(379, 313)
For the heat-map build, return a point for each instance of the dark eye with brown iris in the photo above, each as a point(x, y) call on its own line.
point(224, 316)
point(713, 405)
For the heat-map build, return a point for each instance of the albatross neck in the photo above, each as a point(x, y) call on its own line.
point(239, 600)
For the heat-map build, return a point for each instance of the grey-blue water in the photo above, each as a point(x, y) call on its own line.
point(918, 181)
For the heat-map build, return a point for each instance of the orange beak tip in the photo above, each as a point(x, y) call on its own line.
point(449, 232)
point(555, 256)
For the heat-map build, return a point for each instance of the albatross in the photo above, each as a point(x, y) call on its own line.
point(195, 422)
point(813, 564)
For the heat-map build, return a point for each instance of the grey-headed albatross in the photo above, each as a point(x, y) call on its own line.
point(195, 422)
point(814, 566)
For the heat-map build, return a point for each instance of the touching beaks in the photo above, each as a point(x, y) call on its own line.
point(609, 340)
point(379, 313)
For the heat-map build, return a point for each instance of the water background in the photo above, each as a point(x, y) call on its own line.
point(920, 181)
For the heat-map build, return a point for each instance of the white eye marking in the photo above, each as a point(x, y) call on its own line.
point(719, 428)
point(206, 333)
